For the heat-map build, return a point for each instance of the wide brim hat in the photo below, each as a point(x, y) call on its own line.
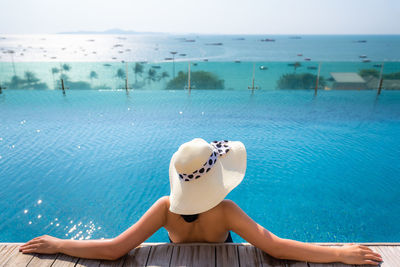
point(202, 174)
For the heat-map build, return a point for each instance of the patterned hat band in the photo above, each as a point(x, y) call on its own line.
point(220, 148)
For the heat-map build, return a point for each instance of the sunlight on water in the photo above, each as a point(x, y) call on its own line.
point(87, 165)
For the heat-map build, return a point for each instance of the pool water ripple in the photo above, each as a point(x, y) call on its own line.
point(319, 169)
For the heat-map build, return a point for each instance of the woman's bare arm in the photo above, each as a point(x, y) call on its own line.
point(239, 222)
point(109, 249)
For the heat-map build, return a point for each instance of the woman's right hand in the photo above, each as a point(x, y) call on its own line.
point(359, 254)
point(43, 244)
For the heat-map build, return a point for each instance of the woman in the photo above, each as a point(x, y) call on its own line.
point(201, 175)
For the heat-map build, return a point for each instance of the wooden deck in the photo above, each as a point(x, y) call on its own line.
point(162, 254)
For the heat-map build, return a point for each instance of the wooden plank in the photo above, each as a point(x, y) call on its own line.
point(19, 259)
point(116, 263)
point(335, 264)
point(137, 256)
point(227, 255)
point(42, 260)
point(249, 256)
point(268, 260)
point(160, 255)
point(194, 255)
point(388, 254)
point(296, 263)
point(87, 263)
point(63, 260)
point(8, 253)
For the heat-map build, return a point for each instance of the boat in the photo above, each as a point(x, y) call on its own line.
point(189, 40)
point(312, 67)
point(239, 39)
point(366, 60)
point(307, 59)
point(361, 41)
point(156, 67)
point(182, 55)
point(363, 56)
point(90, 40)
point(263, 67)
point(299, 55)
point(107, 65)
point(168, 58)
point(267, 40)
point(378, 65)
point(237, 61)
point(118, 45)
point(206, 60)
point(214, 44)
point(194, 64)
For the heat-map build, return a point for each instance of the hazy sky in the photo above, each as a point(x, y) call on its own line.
point(203, 16)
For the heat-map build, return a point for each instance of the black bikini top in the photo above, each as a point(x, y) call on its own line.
point(228, 239)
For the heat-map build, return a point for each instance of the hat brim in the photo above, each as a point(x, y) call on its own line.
point(200, 195)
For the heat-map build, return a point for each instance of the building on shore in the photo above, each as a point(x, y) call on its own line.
point(348, 81)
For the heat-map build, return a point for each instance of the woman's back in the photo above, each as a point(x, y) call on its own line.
point(209, 227)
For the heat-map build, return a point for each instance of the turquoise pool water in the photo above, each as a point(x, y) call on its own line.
point(89, 164)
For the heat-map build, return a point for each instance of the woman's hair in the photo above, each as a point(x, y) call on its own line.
point(190, 218)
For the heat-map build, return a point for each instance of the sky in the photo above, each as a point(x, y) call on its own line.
point(202, 16)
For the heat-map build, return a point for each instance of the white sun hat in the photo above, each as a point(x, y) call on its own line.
point(202, 174)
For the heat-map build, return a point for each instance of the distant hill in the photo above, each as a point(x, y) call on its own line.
point(110, 31)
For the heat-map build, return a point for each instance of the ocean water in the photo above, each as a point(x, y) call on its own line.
point(158, 47)
point(87, 165)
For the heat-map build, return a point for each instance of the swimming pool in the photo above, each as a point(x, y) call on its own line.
point(88, 165)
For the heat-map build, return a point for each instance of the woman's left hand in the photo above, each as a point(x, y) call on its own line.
point(43, 244)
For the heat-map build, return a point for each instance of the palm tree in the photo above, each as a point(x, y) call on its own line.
point(54, 71)
point(66, 67)
point(296, 65)
point(93, 75)
point(163, 76)
point(30, 78)
point(138, 70)
point(152, 75)
point(120, 74)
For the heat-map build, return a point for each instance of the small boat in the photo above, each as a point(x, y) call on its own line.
point(118, 45)
point(189, 40)
point(194, 64)
point(214, 44)
point(263, 67)
point(107, 65)
point(366, 60)
point(267, 40)
point(361, 41)
point(143, 62)
point(168, 58)
point(182, 55)
point(363, 56)
point(378, 65)
point(237, 61)
point(239, 39)
point(312, 67)
point(156, 67)
point(206, 60)
point(90, 40)
point(307, 59)
point(114, 58)
point(299, 55)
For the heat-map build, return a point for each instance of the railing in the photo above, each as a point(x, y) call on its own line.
point(203, 75)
